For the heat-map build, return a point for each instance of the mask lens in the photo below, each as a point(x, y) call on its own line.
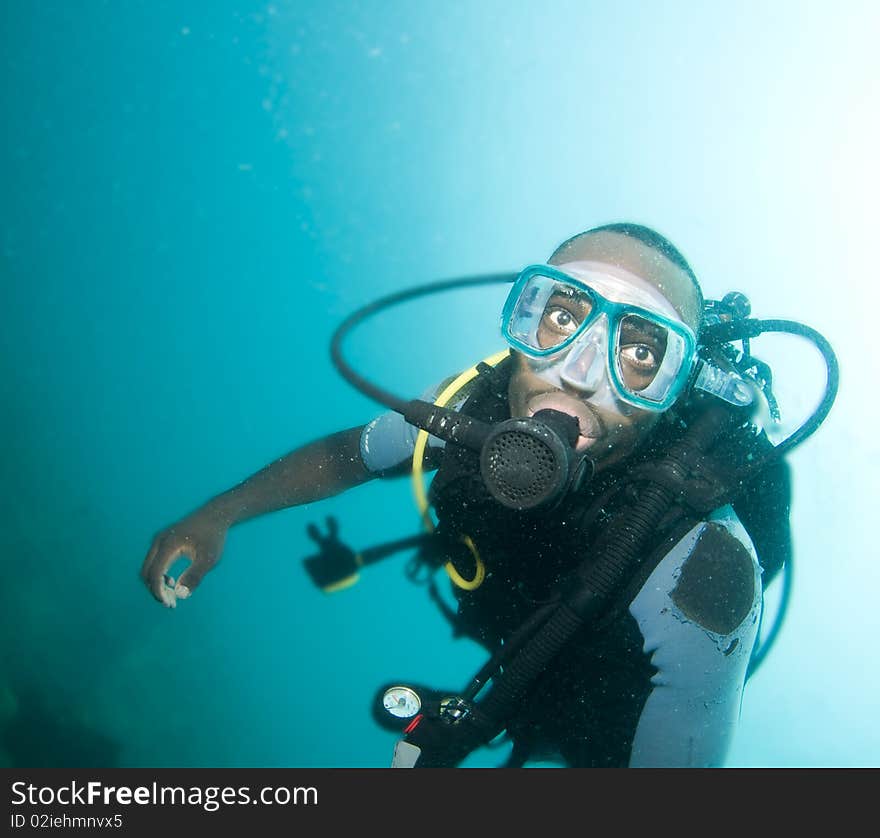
point(547, 313)
point(649, 358)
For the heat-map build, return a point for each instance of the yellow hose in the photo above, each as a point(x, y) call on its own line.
point(418, 479)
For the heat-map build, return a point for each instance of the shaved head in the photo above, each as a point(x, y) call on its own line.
point(643, 252)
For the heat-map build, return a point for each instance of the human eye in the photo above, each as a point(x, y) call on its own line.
point(566, 309)
point(561, 320)
point(641, 357)
point(642, 347)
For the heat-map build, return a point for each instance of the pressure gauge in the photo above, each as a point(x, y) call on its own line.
point(401, 702)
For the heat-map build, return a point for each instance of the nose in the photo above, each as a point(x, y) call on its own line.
point(584, 367)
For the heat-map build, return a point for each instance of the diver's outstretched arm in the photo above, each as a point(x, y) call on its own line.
point(316, 471)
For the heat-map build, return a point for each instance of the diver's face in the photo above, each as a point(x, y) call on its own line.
point(626, 271)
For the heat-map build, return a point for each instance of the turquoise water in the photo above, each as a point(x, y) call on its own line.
point(194, 195)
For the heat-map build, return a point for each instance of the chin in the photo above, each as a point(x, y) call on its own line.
point(585, 443)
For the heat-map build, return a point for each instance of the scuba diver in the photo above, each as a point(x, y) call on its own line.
point(607, 504)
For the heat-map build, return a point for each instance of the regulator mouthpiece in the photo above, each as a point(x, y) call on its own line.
point(531, 464)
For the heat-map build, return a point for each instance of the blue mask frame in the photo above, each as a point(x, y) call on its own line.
point(615, 313)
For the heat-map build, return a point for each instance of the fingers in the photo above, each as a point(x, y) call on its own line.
point(154, 571)
point(190, 578)
point(332, 532)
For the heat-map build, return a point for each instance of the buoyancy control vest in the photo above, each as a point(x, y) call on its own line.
point(530, 562)
point(527, 558)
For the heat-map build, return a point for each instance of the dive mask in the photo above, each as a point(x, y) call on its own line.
point(584, 330)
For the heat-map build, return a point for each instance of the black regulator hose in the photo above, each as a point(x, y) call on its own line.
point(356, 318)
point(764, 646)
point(720, 333)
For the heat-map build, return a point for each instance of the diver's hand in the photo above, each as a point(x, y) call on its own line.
point(199, 537)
